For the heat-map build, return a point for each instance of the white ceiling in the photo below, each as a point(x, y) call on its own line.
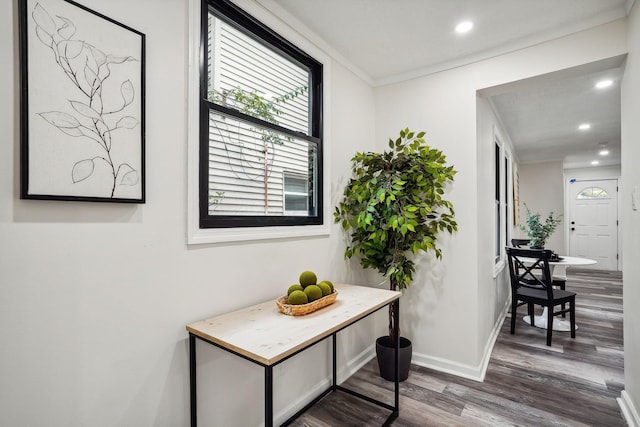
point(542, 115)
point(386, 41)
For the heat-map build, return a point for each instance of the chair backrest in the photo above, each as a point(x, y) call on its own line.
point(520, 243)
point(523, 263)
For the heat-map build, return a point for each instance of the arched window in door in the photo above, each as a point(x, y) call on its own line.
point(593, 193)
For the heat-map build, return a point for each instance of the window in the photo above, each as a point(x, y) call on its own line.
point(260, 125)
point(503, 195)
point(593, 193)
point(498, 200)
point(507, 205)
point(296, 200)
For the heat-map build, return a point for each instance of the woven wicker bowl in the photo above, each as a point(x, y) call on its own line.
point(302, 309)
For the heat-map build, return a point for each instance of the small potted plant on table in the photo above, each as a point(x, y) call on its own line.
point(392, 208)
point(537, 231)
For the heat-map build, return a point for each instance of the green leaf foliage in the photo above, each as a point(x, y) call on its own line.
point(255, 105)
point(393, 206)
point(538, 231)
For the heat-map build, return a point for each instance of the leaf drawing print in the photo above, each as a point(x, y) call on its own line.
point(99, 111)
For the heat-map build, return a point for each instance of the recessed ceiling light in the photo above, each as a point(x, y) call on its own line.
point(594, 162)
point(604, 152)
point(464, 27)
point(604, 83)
point(584, 126)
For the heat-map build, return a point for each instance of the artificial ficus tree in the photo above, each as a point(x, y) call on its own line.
point(393, 207)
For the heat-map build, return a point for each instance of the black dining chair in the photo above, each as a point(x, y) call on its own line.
point(560, 282)
point(537, 289)
point(520, 243)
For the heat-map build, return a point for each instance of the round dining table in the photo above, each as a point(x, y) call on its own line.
point(559, 324)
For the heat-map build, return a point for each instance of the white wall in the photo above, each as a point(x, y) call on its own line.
point(444, 308)
point(452, 332)
point(605, 172)
point(492, 294)
point(631, 219)
point(542, 190)
point(94, 297)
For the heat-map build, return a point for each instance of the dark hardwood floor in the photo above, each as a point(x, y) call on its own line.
point(572, 383)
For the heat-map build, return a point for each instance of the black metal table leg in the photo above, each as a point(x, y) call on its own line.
point(268, 375)
point(268, 396)
point(335, 371)
point(192, 380)
point(396, 329)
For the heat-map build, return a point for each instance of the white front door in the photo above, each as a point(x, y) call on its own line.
point(593, 222)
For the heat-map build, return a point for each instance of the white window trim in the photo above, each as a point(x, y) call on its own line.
point(505, 153)
point(196, 235)
point(497, 168)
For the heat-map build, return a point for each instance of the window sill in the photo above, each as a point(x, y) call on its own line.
point(200, 236)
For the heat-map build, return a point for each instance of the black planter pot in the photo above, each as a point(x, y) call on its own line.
point(385, 352)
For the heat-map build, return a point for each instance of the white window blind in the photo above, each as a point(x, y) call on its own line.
point(239, 63)
point(247, 161)
point(246, 172)
point(261, 125)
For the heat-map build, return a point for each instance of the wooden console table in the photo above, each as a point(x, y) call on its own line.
point(262, 335)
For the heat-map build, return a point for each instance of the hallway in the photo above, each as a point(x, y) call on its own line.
point(575, 382)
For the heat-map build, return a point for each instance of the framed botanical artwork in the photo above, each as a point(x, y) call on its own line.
point(82, 105)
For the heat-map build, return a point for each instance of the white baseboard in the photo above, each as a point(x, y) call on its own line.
point(356, 363)
point(491, 342)
point(629, 411)
point(476, 373)
point(447, 366)
point(299, 403)
point(343, 373)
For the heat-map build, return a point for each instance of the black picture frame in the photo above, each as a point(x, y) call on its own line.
point(82, 105)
